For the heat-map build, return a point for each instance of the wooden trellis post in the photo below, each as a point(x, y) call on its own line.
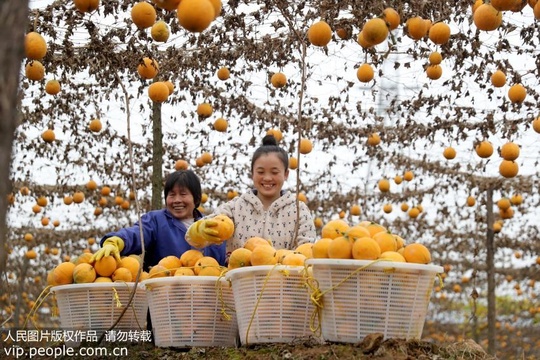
point(157, 158)
point(490, 247)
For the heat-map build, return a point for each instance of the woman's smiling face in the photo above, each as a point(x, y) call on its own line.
point(268, 176)
point(180, 202)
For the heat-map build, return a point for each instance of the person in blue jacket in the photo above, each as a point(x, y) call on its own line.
point(164, 230)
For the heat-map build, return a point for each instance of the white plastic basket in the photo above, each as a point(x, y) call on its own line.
point(391, 298)
point(272, 303)
point(191, 311)
point(97, 306)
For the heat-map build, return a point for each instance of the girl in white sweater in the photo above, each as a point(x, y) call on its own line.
point(267, 210)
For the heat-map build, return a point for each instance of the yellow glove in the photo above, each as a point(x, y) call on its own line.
point(203, 233)
point(111, 246)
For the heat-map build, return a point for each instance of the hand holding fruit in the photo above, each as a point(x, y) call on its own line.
point(111, 246)
point(203, 233)
point(210, 231)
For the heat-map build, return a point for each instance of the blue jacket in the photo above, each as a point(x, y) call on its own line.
point(164, 235)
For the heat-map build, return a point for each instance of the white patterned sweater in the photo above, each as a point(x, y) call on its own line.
point(277, 223)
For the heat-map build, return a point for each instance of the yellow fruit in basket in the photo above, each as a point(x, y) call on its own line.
point(131, 263)
point(190, 257)
point(101, 279)
point(294, 259)
point(122, 274)
point(225, 226)
point(386, 241)
point(334, 228)
point(184, 271)
point(400, 242)
point(157, 271)
point(171, 262)
point(239, 258)
point(105, 266)
point(340, 248)
point(204, 262)
point(263, 255)
point(280, 254)
point(83, 258)
point(392, 256)
point(252, 242)
point(320, 248)
point(305, 249)
point(356, 232)
point(144, 276)
point(210, 271)
point(84, 273)
point(365, 248)
point(63, 273)
point(118, 263)
point(416, 253)
point(374, 228)
point(50, 278)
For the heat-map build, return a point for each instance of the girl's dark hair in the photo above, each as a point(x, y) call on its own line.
point(269, 145)
point(188, 180)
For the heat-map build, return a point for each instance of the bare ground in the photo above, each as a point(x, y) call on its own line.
point(371, 347)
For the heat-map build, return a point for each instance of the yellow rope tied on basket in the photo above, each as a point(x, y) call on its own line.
point(317, 294)
point(116, 298)
point(259, 300)
point(285, 272)
point(441, 280)
point(32, 314)
point(130, 304)
point(316, 298)
point(166, 272)
point(37, 304)
point(54, 310)
point(219, 291)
